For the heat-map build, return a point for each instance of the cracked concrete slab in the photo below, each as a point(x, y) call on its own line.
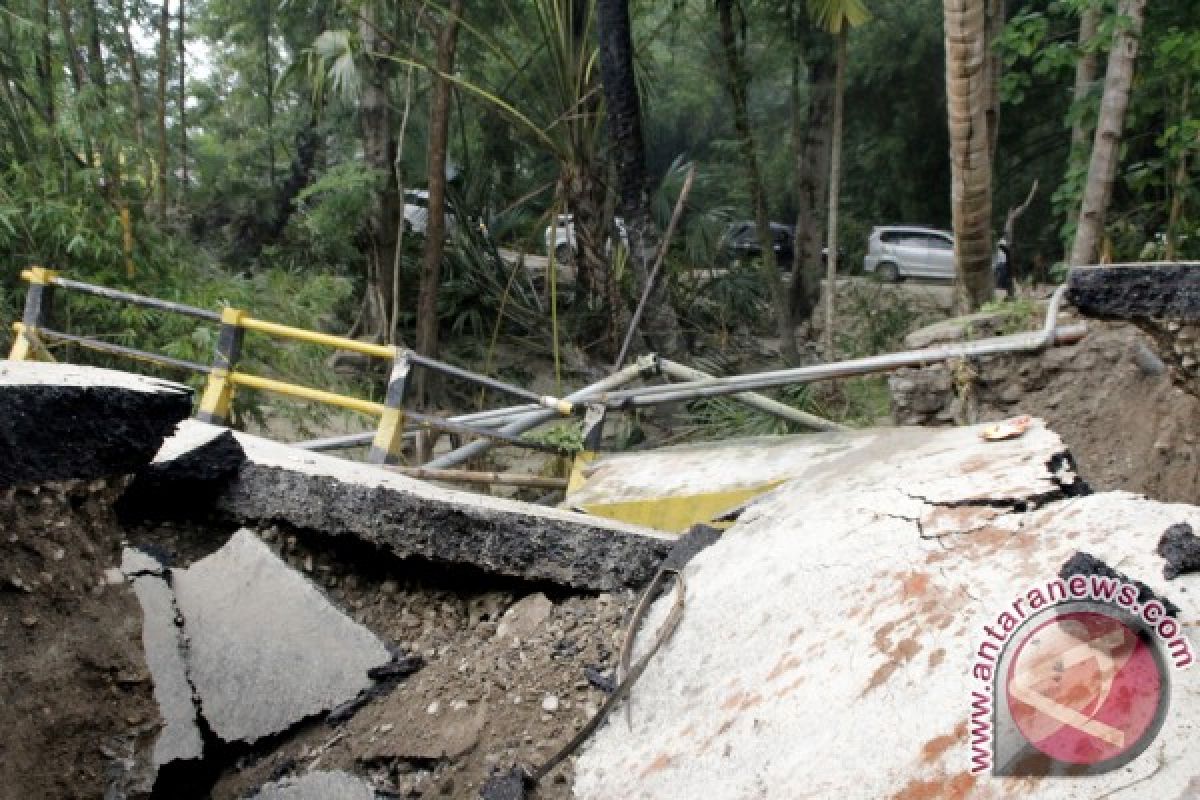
point(823, 631)
point(1131, 291)
point(317, 786)
point(186, 475)
point(162, 641)
point(265, 649)
point(63, 422)
point(408, 517)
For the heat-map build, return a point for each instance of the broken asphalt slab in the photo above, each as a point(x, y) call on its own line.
point(408, 517)
point(162, 640)
point(265, 649)
point(1132, 291)
point(834, 626)
point(62, 422)
point(186, 475)
point(317, 786)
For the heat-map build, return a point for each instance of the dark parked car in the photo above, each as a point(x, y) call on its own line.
point(741, 241)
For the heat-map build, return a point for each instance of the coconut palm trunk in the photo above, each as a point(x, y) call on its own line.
point(624, 119)
point(968, 93)
point(1102, 169)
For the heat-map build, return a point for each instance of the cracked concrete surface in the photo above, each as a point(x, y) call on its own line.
point(824, 631)
point(407, 517)
point(61, 422)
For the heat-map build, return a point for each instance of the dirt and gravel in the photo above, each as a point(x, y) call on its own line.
point(77, 696)
point(503, 678)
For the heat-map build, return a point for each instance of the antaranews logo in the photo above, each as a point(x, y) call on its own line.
point(1073, 678)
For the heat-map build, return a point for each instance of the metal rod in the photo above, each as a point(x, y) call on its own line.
point(137, 299)
point(757, 401)
point(467, 476)
point(497, 416)
point(305, 393)
point(443, 424)
point(717, 387)
point(120, 350)
point(535, 418)
point(314, 337)
point(561, 406)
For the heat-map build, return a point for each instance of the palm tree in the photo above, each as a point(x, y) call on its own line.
point(624, 116)
point(837, 17)
point(968, 96)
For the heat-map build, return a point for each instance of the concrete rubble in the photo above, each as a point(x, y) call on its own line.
point(248, 643)
point(833, 626)
point(63, 422)
point(1132, 291)
point(180, 738)
point(265, 649)
point(317, 786)
point(411, 518)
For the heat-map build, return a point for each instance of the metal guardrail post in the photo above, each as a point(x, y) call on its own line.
point(38, 303)
point(389, 436)
point(593, 426)
point(218, 394)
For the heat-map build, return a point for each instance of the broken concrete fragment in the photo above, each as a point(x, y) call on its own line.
point(317, 786)
point(62, 422)
point(180, 738)
point(1131, 291)
point(136, 562)
point(818, 622)
point(1180, 547)
point(186, 474)
point(265, 648)
point(524, 617)
point(409, 518)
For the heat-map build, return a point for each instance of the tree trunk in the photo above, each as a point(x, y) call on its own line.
point(96, 55)
point(183, 134)
point(967, 91)
point(73, 63)
point(624, 120)
point(812, 182)
point(435, 231)
point(164, 63)
point(835, 192)
point(45, 65)
point(1179, 184)
point(269, 97)
point(135, 81)
point(736, 85)
point(375, 122)
point(1086, 68)
point(993, 27)
point(1102, 169)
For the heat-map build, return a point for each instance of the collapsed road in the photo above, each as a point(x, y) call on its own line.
point(191, 612)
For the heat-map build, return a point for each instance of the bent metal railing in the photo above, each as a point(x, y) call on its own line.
point(504, 425)
point(223, 376)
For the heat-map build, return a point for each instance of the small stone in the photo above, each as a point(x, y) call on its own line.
point(113, 576)
point(389, 587)
point(57, 554)
point(29, 621)
point(550, 703)
point(387, 727)
point(433, 708)
point(17, 583)
point(308, 563)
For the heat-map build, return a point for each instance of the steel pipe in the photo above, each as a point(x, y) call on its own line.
point(756, 401)
point(535, 418)
point(136, 299)
point(1050, 334)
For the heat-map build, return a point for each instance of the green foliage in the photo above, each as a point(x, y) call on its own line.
point(564, 435)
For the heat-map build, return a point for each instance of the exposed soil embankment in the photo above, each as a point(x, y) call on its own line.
point(79, 710)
